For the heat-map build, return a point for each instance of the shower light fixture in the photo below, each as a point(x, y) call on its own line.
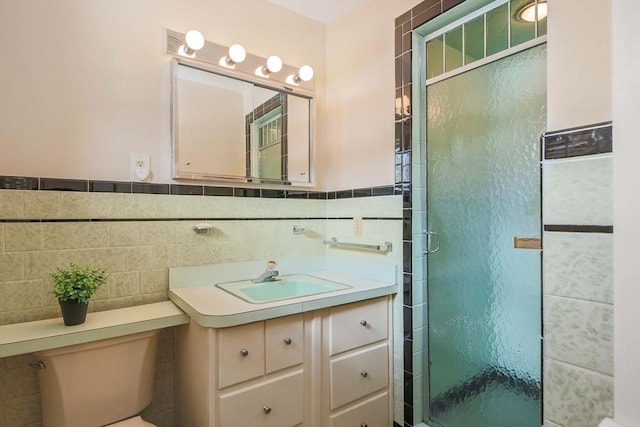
point(530, 10)
point(194, 41)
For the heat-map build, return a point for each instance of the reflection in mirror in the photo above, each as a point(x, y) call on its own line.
point(230, 129)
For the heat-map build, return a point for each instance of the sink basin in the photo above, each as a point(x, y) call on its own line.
point(294, 286)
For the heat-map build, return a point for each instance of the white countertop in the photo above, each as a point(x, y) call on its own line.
point(210, 306)
point(21, 338)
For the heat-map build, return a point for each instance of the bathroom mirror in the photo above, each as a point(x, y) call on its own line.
point(229, 128)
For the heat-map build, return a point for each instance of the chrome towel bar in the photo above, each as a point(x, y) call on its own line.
point(386, 247)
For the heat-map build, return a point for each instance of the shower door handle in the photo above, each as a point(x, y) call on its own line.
point(527, 242)
point(430, 236)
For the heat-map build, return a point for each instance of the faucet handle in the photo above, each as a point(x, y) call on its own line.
point(271, 265)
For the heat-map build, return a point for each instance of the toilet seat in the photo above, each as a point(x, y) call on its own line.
point(132, 422)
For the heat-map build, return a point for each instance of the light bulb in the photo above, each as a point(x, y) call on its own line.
point(305, 73)
point(194, 39)
point(274, 64)
point(528, 12)
point(237, 53)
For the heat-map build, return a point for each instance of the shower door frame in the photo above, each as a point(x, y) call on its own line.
point(419, 183)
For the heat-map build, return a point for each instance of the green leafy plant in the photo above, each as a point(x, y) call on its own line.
point(77, 283)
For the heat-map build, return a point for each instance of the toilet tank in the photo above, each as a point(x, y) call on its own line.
point(97, 383)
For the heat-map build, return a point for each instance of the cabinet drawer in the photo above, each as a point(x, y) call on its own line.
point(241, 353)
point(357, 374)
point(275, 403)
point(373, 412)
point(355, 325)
point(284, 342)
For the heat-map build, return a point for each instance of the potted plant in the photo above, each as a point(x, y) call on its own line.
point(74, 286)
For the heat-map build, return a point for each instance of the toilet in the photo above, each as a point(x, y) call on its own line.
point(101, 383)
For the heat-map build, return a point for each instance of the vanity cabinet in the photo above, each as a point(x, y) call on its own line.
point(356, 364)
point(328, 367)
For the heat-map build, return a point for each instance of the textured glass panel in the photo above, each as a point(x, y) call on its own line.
point(483, 189)
point(521, 31)
point(498, 29)
point(474, 40)
point(453, 49)
point(435, 60)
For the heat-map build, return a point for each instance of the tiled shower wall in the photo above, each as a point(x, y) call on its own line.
point(578, 276)
point(408, 164)
point(137, 237)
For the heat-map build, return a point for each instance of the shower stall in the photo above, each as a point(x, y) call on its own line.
point(482, 110)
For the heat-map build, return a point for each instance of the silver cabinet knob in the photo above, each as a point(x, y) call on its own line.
point(363, 425)
point(266, 409)
point(288, 341)
point(364, 323)
point(244, 352)
point(364, 374)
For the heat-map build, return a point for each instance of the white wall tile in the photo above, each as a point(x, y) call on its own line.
point(578, 192)
point(579, 265)
point(579, 332)
point(576, 397)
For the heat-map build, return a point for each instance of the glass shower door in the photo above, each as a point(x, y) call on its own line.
point(484, 296)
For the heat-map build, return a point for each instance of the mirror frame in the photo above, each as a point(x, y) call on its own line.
point(230, 73)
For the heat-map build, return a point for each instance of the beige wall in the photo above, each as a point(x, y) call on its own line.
point(90, 82)
point(579, 63)
point(360, 96)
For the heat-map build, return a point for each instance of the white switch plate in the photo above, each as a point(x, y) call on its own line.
point(140, 167)
point(357, 226)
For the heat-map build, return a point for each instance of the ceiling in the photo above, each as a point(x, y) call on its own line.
point(325, 11)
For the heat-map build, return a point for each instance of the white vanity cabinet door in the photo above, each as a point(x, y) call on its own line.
point(358, 324)
point(240, 353)
point(284, 342)
point(373, 412)
point(357, 374)
point(277, 402)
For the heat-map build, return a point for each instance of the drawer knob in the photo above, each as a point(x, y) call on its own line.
point(364, 374)
point(244, 352)
point(363, 425)
point(288, 341)
point(266, 409)
point(364, 323)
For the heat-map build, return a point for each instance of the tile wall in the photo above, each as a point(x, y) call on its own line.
point(578, 276)
point(137, 231)
point(408, 163)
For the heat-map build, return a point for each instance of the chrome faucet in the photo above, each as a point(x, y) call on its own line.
point(270, 275)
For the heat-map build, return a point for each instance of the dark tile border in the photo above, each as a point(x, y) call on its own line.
point(97, 186)
point(213, 219)
point(55, 184)
point(579, 228)
point(580, 141)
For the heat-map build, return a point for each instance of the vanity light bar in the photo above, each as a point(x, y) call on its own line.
point(236, 59)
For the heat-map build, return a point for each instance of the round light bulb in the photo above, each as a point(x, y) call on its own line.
point(237, 53)
point(305, 73)
point(194, 40)
point(528, 12)
point(274, 64)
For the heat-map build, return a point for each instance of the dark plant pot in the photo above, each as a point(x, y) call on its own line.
point(73, 312)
